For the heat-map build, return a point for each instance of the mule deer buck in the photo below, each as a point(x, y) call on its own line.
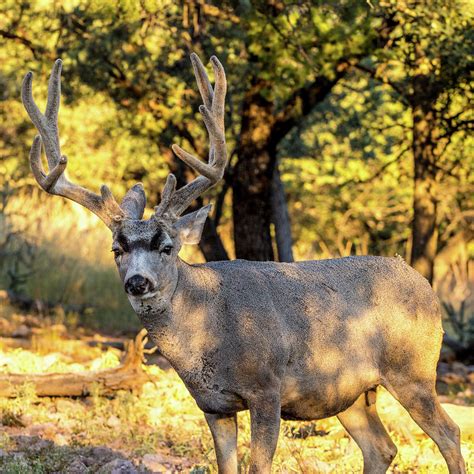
point(297, 341)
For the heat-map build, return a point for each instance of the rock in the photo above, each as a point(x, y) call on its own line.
point(5, 327)
point(34, 444)
point(76, 467)
point(154, 462)
point(452, 378)
point(113, 422)
point(32, 321)
point(460, 368)
point(99, 452)
point(118, 466)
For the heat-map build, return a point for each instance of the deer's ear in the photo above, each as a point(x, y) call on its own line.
point(189, 227)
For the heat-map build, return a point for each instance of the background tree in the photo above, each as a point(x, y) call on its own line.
point(280, 70)
point(429, 66)
point(321, 121)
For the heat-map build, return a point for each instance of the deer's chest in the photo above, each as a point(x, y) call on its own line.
point(209, 387)
point(200, 371)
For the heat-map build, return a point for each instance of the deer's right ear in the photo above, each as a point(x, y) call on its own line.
point(134, 202)
point(189, 227)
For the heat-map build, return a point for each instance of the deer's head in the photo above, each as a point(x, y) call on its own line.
point(146, 251)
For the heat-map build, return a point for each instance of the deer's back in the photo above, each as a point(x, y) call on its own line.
point(345, 289)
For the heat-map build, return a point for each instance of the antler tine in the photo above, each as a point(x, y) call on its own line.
point(166, 194)
point(213, 116)
point(54, 95)
point(104, 206)
point(202, 80)
point(218, 102)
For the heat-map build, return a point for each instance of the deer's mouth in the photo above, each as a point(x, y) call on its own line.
point(149, 294)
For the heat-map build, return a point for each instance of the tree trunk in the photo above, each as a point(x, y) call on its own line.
point(252, 178)
point(424, 227)
point(211, 244)
point(281, 219)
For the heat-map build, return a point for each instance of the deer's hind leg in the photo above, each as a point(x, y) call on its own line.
point(420, 400)
point(363, 424)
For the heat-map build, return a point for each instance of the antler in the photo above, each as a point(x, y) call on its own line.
point(174, 202)
point(104, 206)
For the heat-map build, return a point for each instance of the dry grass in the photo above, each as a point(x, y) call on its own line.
point(165, 419)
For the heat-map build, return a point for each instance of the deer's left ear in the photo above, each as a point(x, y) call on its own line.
point(189, 227)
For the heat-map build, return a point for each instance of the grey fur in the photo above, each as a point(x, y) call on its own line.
point(302, 340)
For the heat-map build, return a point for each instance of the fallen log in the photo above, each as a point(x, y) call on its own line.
point(129, 375)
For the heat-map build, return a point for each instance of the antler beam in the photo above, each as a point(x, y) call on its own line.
point(175, 202)
point(55, 182)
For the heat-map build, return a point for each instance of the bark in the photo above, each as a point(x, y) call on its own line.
point(281, 219)
point(252, 178)
point(128, 376)
point(424, 226)
point(211, 244)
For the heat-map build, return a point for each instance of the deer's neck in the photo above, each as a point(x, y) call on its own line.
point(179, 325)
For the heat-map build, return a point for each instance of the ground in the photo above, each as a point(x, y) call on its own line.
point(162, 430)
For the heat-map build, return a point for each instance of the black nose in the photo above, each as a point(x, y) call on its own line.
point(137, 285)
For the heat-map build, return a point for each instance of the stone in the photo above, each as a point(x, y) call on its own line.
point(155, 463)
point(76, 467)
point(21, 331)
point(113, 422)
point(118, 466)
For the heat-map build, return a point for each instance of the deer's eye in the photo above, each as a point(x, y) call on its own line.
point(117, 252)
point(166, 249)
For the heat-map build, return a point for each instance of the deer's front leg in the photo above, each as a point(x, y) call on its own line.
point(265, 428)
point(224, 434)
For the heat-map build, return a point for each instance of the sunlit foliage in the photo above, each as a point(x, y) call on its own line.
point(128, 94)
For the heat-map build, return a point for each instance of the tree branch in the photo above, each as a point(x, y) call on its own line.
point(378, 172)
point(34, 48)
point(302, 101)
point(384, 80)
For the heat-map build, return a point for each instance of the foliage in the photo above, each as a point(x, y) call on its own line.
point(128, 93)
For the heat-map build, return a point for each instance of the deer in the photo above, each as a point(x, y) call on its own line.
point(298, 341)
